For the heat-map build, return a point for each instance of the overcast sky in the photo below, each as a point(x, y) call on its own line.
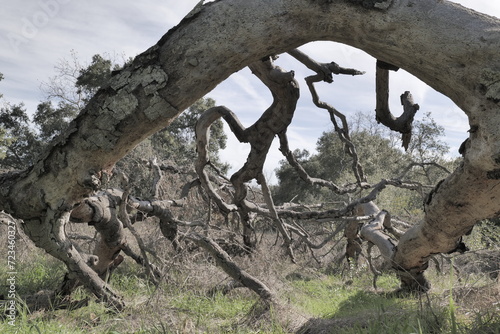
point(36, 34)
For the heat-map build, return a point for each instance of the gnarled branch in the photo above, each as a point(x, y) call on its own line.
point(403, 123)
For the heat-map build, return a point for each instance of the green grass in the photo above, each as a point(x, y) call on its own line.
point(205, 311)
point(40, 272)
point(350, 309)
point(331, 296)
point(181, 305)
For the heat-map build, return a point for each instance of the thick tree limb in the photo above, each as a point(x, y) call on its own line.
point(260, 136)
point(353, 247)
point(202, 139)
point(373, 232)
point(100, 211)
point(79, 271)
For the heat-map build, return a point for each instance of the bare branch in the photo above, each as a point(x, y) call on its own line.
point(150, 272)
point(274, 215)
point(326, 69)
point(403, 123)
point(231, 268)
point(156, 178)
point(284, 148)
point(324, 73)
point(423, 165)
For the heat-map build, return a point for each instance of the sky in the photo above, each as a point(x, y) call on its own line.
point(37, 34)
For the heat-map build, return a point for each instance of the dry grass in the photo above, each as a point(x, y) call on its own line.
point(313, 297)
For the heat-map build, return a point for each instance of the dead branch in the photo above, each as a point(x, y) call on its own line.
point(305, 238)
point(100, 211)
point(274, 215)
point(231, 268)
point(150, 272)
point(285, 150)
point(403, 123)
point(260, 136)
point(202, 143)
point(374, 232)
point(324, 73)
point(327, 69)
point(225, 288)
point(353, 247)
point(422, 165)
point(141, 261)
point(376, 273)
point(157, 177)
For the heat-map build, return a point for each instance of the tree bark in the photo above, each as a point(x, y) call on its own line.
point(403, 123)
point(449, 47)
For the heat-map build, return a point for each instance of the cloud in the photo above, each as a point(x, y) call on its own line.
point(491, 8)
point(35, 34)
point(244, 94)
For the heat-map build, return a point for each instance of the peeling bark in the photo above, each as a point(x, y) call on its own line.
point(374, 232)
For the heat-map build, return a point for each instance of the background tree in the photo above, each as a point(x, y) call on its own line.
point(70, 89)
point(382, 157)
point(19, 144)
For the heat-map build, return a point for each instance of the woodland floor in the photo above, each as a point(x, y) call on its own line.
point(314, 297)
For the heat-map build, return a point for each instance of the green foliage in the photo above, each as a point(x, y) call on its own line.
point(22, 138)
point(51, 121)
point(94, 76)
point(18, 142)
point(380, 155)
point(177, 143)
point(173, 146)
point(290, 188)
point(425, 145)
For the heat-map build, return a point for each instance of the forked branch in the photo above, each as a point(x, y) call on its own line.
point(403, 123)
point(324, 72)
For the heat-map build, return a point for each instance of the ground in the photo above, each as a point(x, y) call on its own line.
point(314, 298)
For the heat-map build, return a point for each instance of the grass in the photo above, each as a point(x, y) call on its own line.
point(352, 309)
point(331, 296)
point(332, 303)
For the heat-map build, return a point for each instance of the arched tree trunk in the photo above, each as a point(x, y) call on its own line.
point(451, 48)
